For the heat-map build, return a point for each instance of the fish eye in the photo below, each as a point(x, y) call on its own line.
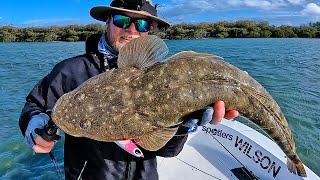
point(86, 124)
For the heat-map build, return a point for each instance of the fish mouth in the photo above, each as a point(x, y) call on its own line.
point(58, 115)
point(70, 129)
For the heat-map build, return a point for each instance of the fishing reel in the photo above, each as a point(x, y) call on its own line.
point(49, 131)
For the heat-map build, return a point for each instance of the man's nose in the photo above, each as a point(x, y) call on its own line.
point(132, 28)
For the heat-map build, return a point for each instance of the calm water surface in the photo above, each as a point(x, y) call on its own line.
point(288, 68)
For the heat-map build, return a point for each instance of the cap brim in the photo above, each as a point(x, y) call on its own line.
point(102, 13)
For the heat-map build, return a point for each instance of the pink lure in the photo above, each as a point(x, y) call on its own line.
point(130, 147)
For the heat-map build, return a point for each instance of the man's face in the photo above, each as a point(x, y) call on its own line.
point(118, 37)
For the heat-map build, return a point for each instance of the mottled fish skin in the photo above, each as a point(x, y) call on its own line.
point(101, 108)
point(137, 103)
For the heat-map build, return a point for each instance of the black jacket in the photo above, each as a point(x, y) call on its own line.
point(105, 160)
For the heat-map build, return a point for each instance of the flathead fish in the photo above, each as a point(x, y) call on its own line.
point(144, 100)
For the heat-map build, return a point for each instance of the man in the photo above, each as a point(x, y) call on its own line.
point(90, 159)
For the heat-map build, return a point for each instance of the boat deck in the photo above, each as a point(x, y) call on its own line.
point(230, 150)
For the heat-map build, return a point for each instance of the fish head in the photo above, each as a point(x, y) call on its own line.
point(62, 115)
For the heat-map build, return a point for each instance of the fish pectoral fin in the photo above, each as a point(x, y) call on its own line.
point(191, 54)
point(142, 52)
point(156, 139)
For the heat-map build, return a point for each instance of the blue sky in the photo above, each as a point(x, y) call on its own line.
point(26, 13)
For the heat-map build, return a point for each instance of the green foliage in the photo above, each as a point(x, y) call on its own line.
point(222, 35)
point(70, 33)
point(239, 29)
point(222, 29)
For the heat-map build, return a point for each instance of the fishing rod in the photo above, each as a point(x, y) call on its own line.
point(49, 133)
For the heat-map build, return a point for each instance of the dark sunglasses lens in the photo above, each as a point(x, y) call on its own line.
point(142, 25)
point(121, 21)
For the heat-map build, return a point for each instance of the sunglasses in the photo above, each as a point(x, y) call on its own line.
point(122, 21)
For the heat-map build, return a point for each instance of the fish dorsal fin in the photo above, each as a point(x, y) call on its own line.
point(142, 52)
point(157, 138)
point(191, 54)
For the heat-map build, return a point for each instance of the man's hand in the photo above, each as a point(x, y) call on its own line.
point(212, 115)
point(42, 146)
point(220, 112)
point(33, 140)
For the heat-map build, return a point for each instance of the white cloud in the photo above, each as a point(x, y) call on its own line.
point(195, 6)
point(311, 9)
point(204, 4)
point(181, 9)
point(258, 4)
point(274, 11)
point(52, 22)
point(296, 2)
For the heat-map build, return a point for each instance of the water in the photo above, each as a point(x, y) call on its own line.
point(287, 68)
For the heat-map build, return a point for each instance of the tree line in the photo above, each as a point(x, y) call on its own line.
point(222, 29)
point(240, 29)
point(70, 33)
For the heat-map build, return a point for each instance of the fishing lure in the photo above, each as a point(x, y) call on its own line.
point(130, 147)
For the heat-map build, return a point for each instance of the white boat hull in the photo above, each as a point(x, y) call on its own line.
point(230, 150)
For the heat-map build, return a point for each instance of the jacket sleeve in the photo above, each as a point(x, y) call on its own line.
point(175, 144)
point(64, 77)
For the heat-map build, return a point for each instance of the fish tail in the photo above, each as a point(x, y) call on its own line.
point(300, 169)
point(296, 168)
point(291, 166)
